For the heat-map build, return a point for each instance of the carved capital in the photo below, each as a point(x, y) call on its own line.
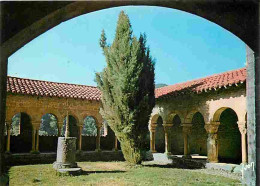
point(8, 125)
point(60, 124)
point(186, 128)
point(36, 125)
point(152, 127)
point(242, 129)
point(212, 127)
point(242, 126)
point(167, 126)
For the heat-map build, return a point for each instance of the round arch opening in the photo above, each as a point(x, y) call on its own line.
point(198, 136)
point(176, 136)
point(48, 133)
point(21, 133)
point(229, 137)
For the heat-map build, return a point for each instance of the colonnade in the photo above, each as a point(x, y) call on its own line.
point(35, 137)
point(212, 139)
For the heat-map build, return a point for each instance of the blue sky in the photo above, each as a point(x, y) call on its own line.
point(185, 47)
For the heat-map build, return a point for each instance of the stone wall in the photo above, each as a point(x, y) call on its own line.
point(46, 158)
point(36, 107)
point(199, 110)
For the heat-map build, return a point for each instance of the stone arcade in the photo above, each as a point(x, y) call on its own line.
point(206, 116)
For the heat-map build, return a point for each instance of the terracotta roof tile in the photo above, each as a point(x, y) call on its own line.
point(204, 84)
point(45, 88)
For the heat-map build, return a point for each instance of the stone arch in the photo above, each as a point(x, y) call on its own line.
point(21, 141)
point(217, 113)
point(171, 115)
point(198, 136)
point(75, 116)
point(48, 133)
point(89, 123)
point(107, 137)
point(89, 133)
point(229, 137)
point(154, 118)
point(159, 135)
point(176, 136)
point(73, 121)
point(92, 116)
point(189, 116)
point(237, 12)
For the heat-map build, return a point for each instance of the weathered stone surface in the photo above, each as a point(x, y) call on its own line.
point(237, 169)
point(45, 158)
point(222, 166)
point(69, 171)
point(66, 153)
point(211, 107)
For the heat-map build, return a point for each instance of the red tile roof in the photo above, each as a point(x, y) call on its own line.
point(204, 84)
point(52, 89)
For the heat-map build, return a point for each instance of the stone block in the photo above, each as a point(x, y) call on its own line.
point(66, 153)
point(69, 171)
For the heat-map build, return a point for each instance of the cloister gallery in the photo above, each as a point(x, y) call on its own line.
point(205, 116)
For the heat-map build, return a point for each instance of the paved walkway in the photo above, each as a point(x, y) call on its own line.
point(197, 163)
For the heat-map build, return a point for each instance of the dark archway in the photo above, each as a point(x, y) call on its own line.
point(229, 138)
point(159, 136)
point(48, 133)
point(177, 143)
point(89, 134)
point(107, 139)
point(198, 136)
point(21, 133)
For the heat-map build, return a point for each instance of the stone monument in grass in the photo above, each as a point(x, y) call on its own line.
point(65, 163)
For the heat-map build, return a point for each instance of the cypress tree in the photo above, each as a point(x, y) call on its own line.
point(127, 86)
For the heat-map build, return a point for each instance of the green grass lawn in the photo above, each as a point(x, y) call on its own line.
point(114, 173)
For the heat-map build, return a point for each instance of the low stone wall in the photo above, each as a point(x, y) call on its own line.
point(45, 158)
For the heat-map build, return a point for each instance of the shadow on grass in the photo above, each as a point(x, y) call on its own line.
point(171, 166)
point(83, 172)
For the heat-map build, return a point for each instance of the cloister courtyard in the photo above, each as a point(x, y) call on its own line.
point(202, 129)
point(200, 118)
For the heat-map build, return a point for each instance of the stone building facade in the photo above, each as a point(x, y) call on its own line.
point(34, 98)
point(206, 116)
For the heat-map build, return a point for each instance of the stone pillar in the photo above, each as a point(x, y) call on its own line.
point(186, 131)
point(98, 139)
point(167, 127)
point(3, 78)
point(33, 139)
point(115, 147)
point(242, 129)
point(252, 98)
point(80, 138)
point(8, 128)
point(37, 139)
point(212, 143)
point(60, 125)
point(152, 137)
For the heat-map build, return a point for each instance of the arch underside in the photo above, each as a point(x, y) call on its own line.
point(240, 18)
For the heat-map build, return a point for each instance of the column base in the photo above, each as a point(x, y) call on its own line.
point(245, 163)
point(212, 161)
point(35, 152)
point(116, 150)
point(98, 150)
point(168, 153)
point(8, 152)
point(187, 156)
point(153, 151)
point(78, 151)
